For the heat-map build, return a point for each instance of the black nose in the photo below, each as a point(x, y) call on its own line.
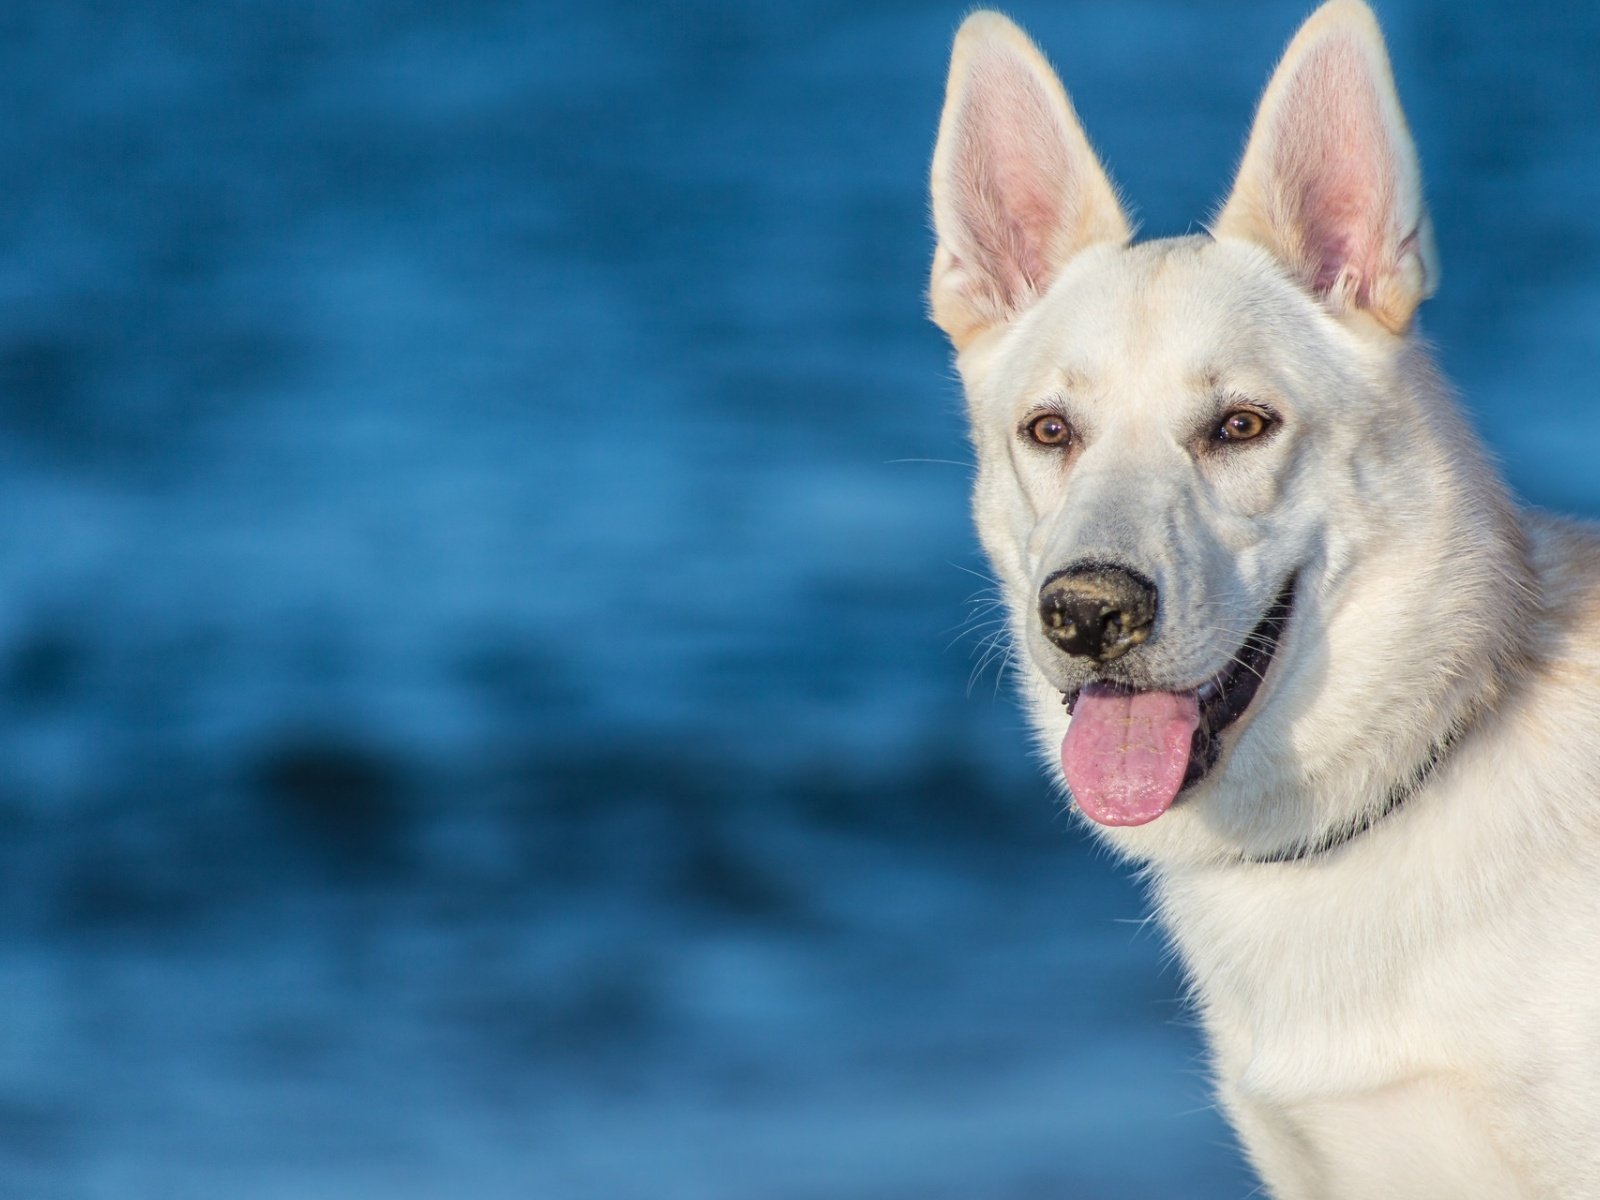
point(1097, 611)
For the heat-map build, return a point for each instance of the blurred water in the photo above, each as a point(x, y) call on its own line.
point(482, 591)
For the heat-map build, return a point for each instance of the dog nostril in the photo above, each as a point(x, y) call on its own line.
point(1097, 612)
point(1122, 625)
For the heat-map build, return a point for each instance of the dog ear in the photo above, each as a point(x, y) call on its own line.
point(1330, 181)
point(1016, 188)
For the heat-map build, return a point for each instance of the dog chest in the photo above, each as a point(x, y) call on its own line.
point(1428, 1137)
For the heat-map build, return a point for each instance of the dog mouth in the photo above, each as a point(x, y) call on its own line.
point(1128, 753)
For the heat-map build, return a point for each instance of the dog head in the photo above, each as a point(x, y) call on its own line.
point(1242, 532)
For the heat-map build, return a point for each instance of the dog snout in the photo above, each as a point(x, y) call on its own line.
point(1097, 611)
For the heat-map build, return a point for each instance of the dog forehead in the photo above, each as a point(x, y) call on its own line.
point(1170, 313)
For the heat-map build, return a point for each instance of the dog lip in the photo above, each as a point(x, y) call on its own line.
point(1227, 695)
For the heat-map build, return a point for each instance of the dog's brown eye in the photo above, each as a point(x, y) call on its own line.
point(1242, 424)
point(1050, 430)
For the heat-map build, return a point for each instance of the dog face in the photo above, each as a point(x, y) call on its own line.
point(1145, 418)
point(1210, 466)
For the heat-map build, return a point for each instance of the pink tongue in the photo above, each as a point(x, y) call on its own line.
point(1125, 753)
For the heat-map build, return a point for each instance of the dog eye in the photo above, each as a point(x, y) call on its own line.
point(1049, 429)
point(1243, 424)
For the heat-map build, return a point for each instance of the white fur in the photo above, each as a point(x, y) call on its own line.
point(1417, 1012)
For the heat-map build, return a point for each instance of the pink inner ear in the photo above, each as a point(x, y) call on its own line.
point(1335, 165)
point(1010, 181)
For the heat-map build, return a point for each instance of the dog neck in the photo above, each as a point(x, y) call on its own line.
point(1341, 836)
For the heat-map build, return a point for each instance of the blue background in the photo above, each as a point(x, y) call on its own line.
point(494, 666)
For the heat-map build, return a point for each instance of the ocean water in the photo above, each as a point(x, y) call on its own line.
point(497, 688)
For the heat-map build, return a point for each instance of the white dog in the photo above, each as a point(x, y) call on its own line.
point(1291, 642)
